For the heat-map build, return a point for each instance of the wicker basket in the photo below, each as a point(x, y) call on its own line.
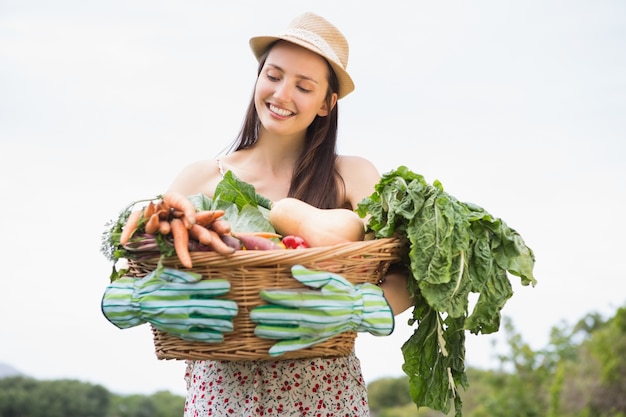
point(251, 271)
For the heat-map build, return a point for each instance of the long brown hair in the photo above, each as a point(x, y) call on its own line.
point(315, 178)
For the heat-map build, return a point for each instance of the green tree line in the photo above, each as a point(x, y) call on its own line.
point(581, 373)
point(27, 397)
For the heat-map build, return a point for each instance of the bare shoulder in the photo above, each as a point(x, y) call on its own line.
point(360, 176)
point(198, 177)
point(354, 162)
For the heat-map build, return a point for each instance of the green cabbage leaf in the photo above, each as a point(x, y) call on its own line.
point(455, 249)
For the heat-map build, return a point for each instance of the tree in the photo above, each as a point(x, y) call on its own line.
point(160, 404)
point(580, 373)
point(391, 397)
point(27, 397)
point(168, 404)
point(596, 380)
point(388, 392)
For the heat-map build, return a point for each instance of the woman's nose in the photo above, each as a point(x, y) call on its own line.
point(283, 92)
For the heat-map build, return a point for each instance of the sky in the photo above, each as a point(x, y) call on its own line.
point(515, 106)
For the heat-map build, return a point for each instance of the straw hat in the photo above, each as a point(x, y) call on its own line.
point(316, 34)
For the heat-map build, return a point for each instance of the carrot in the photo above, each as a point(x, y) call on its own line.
point(201, 234)
point(206, 217)
point(149, 210)
point(164, 210)
point(130, 226)
point(221, 227)
point(179, 202)
point(177, 213)
point(219, 245)
point(152, 225)
point(181, 215)
point(180, 234)
point(164, 227)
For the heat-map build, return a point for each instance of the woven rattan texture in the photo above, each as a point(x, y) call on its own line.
point(251, 271)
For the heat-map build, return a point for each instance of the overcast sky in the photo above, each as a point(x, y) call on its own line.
point(516, 106)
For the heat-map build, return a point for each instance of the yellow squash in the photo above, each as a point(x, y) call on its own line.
point(318, 227)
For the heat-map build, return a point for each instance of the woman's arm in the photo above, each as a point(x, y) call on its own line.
point(394, 285)
point(360, 177)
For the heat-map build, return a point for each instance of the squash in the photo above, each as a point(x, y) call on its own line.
point(318, 227)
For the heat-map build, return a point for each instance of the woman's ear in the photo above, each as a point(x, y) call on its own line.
point(324, 110)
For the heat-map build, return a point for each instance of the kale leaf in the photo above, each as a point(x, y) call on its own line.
point(455, 249)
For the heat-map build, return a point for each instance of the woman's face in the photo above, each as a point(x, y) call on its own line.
point(291, 89)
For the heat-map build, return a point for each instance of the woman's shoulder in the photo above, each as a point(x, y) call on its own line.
point(203, 168)
point(200, 176)
point(359, 176)
point(349, 165)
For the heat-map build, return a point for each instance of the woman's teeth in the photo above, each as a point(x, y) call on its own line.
point(280, 112)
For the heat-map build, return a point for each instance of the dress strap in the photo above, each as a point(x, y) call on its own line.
point(221, 169)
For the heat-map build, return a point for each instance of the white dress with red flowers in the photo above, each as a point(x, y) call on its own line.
point(302, 387)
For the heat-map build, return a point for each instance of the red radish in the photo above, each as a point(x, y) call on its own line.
point(294, 242)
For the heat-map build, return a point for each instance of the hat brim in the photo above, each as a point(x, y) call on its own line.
point(260, 45)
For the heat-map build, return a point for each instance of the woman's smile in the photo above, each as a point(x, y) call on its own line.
point(279, 111)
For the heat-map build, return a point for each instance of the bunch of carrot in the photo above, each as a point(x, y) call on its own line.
point(175, 215)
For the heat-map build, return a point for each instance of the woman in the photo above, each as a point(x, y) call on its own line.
point(287, 148)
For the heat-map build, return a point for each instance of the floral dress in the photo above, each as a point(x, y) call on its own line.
point(301, 387)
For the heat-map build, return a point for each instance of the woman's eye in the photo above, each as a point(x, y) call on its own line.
point(303, 89)
point(272, 78)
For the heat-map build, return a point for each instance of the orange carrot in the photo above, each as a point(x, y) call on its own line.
point(219, 245)
point(180, 234)
point(221, 227)
point(130, 226)
point(152, 225)
point(178, 201)
point(164, 227)
point(177, 213)
point(149, 210)
point(180, 215)
point(164, 209)
point(206, 217)
point(201, 234)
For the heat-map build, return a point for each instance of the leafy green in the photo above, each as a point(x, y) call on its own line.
point(233, 190)
point(456, 249)
point(245, 210)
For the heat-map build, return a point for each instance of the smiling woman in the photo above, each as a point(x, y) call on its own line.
point(286, 152)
